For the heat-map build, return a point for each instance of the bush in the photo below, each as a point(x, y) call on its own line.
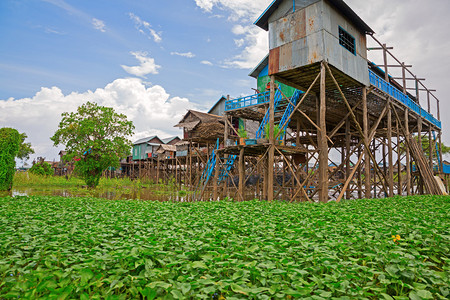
point(9, 146)
point(42, 168)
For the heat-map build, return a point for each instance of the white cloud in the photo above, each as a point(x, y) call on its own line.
point(256, 43)
point(145, 28)
point(151, 109)
point(242, 9)
point(147, 66)
point(253, 40)
point(184, 54)
point(206, 62)
point(99, 24)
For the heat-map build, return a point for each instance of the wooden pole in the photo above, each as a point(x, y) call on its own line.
point(419, 130)
point(366, 150)
point(241, 173)
point(271, 140)
point(322, 140)
point(390, 158)
point(348, 193)
point(216, 177)
point(408, 158)
point(399, 161)
point(386, 74)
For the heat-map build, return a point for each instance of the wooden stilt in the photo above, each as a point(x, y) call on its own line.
point(241, 173)
point(408, 158)
point(271, 140)
point(216, 177)
point(367, 187)
point(348, 193)
point(322, 140)
point(390, 158)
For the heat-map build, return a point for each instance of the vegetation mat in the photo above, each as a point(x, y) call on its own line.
point(87, 248)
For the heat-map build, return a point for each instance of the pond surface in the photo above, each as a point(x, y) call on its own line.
point(112, 194)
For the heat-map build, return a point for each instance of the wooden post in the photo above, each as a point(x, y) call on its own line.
point(404, 77)
point(440, 151)
point(157, 170)
point(322, 140)
point(384, 161)
point(408, 159)
point(366, 150)
point(419, 129)
point(358, 174)
point(399, 161)
point(241, 173)
point(390, 159)
point(348, 193)
point(271, 140)
point(216, 177)
point(297, 138)
point(386, 74)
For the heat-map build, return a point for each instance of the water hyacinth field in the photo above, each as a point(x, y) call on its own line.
point(88, 248)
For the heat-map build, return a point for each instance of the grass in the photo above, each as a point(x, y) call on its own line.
point(26, 179)
point(88, 248)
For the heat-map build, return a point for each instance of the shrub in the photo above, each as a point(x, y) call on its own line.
point(42, 168)
point(9, 146)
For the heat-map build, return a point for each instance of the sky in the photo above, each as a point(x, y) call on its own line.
point(153, 60)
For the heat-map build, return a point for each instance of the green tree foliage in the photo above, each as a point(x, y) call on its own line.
point(25, 149)
point(9, 146)
point(42, 168)
point(96, 137)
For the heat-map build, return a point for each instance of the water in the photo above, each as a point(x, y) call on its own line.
point(112, 194)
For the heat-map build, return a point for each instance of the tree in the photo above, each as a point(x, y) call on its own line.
point(96, 137)
point(42, 168)
point(25, 149)
point(9, 146)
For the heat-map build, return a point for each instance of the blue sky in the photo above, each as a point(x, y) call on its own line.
point(153, 60)
point(60, 43)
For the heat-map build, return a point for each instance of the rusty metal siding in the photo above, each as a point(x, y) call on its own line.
point(274, 58)
point(286, 7)
point(287, 29)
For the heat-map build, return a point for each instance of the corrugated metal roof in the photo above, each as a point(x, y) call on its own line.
point(144, 140)
point(263, 63)
point(223, 98)
point(263, 20)
point(169, 139)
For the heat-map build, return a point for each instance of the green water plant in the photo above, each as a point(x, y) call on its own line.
point(87, 248)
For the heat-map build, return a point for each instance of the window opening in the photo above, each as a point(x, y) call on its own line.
point(346, 40)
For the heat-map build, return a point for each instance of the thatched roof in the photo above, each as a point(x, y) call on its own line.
point(192, 118)
point(164, 147)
